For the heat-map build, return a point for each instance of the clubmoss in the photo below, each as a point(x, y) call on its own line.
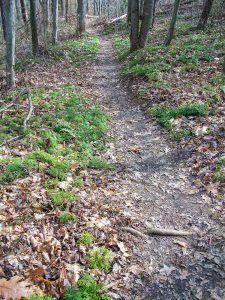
point(86, 239)
point(100, 258)
point(59, 197)
point(67, 217)
point(87, 289)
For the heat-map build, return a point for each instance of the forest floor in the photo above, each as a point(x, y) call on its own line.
point(70, 189)
point(154, 189)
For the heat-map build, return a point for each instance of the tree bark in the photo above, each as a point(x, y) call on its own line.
point(205, 14)
point(146, 22)
point(9, 12)
point(61, 2)
point(18, 12)
point(24, 11)
point(67, 10)
point(45, 8)
point(153, 17)
point(134, 31)
point(55, 21)
point(33, 22)
point(81, 17)
point(173, 22)
point(3, 18)
point(129, 12)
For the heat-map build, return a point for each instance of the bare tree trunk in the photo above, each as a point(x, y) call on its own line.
point(33, 22)
point(81, 17)
point(24, 11)
point(153, 17)
point(3, 18)
point(129, 11)
point(45, 8)
point(141, 8)
point(61, 2)
point(134, 31)
point(9, 12)
point(94, 7)
point(205, 14)
point(55, 4)
point(146, 22)
point(18, 14)
point(173, 22)
point(67, 10)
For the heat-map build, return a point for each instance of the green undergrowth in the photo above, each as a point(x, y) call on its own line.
point(87, 289)
point(65, 133)
point(67, 217)
point(164, 114)
point(86, 239)
point(219, 174)
point(100, 258)
point(76, 51)
point(187, 52)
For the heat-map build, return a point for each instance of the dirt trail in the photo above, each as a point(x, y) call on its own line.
point(153, 186)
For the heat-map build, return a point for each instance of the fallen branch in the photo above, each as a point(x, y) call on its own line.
point(167, 232)
point(156, 231)
point(135, 232)
point(7, 142)
point(30, 110)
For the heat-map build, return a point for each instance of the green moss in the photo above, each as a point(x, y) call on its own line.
point(98, 162)
point(18, 168)
point(67, 217)
point(88, 289)
point(219, 174)
point(86, 239)
point(59, 197)
point(59, 169)
point(78, 182)
point(165, 114)
point(100, 258)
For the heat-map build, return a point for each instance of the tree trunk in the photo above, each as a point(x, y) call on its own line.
point(173, 22)
point(205, 14)
point(45, 8)
point(129, 12)
point(3, 18)
point(146, 22)
point(9, 12)
point(153, 17)
point(61, 2)
point(141, 8)
point(67, 10)
point(33, 22)
point(81, 17)
point(24, 11)
point(18, 13)
point(55, 4)
point(134, 31)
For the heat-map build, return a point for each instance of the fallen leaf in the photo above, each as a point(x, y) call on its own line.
point(17, 288)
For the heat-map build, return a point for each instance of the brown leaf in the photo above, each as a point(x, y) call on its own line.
point(16, 288)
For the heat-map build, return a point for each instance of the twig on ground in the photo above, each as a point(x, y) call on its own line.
point(7, 142)
point(156, 231)
point(167, 232)
point(30, 109)
point(135, 232)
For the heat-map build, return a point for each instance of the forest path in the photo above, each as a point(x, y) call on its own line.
point(153, 188)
